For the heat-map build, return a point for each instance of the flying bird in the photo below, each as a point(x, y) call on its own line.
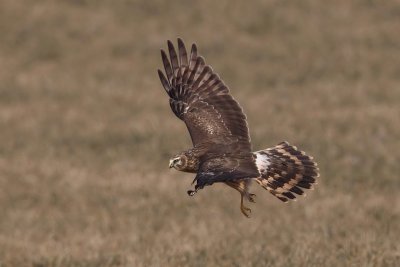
point(222, 151)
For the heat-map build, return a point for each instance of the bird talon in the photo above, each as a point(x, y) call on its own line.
point(252, 198)
point(246, 211)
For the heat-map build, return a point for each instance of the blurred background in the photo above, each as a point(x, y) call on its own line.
point(87, 132)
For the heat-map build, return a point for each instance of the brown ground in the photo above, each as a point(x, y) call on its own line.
point(86, 133)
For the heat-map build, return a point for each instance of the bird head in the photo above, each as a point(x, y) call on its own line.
point(178, 162)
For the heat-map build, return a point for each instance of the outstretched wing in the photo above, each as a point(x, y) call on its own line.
point(200, 98)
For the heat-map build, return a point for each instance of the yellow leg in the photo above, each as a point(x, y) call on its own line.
point(245, 210)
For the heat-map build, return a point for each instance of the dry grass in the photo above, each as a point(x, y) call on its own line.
point(86, 133)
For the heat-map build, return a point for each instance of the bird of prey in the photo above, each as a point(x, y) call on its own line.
point(221, 142)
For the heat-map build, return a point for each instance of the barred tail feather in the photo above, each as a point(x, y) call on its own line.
point(285, 171)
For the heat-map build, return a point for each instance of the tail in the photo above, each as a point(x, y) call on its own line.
point(285, 171)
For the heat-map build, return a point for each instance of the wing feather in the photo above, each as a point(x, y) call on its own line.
point(167, 66)
point(183, 59)
point(164, 82)
point(173, 56)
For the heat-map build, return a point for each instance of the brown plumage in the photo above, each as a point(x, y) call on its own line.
point(221, 142)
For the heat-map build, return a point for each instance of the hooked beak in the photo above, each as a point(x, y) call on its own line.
point(171, 163)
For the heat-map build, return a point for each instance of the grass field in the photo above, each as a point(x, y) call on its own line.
point(87, 132)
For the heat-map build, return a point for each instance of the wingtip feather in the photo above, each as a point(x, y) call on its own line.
point(201, 60)
point(194, 48)
point(164, 81)
point(169, 43)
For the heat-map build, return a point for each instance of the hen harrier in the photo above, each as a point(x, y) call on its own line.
point(221, 143)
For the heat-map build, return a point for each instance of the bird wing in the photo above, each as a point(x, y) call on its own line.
point(201, 99)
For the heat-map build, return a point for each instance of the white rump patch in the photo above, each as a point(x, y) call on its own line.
point(262, 162)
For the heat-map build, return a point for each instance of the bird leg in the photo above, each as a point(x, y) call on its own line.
point(245, 210)
point(241, 187)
